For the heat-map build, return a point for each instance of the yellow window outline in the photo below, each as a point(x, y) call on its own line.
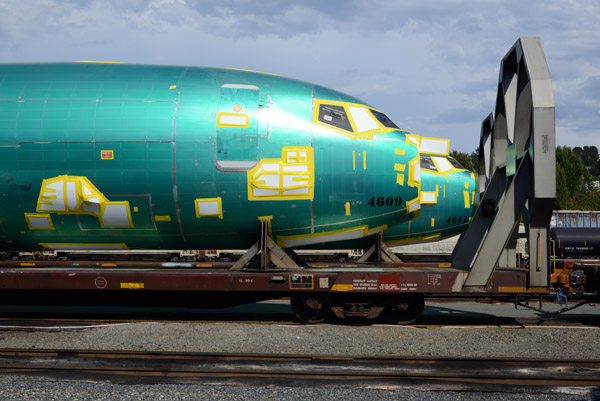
point(439, 172)
point(286, 167)
point(219, 202)
point(430, 139)
point(103, 207)
point(354, 134)
point(228, 114)
point(47, 216)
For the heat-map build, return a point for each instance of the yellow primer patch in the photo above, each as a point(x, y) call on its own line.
point(289, 178)
point(172, 86)
point(67, 194)
point(467, 199)
point(206, 207)
point(413, 139)
point(115, 215)
point(348, 209)
point(233, 120)
point(132, 286)
point(399, 167)
point(399, 151)
point(162, 218)
point(435, 146)
point(433, 222)
point(413, 205)
point(400, 179)
point(428, 197)
point(406, 241)
point(364, 160)
point(353, 160)
point(102, 62)
point(328, 236)
point(414, 173)
point(79, 246)
point(268, 220)
point(342, 287)
point(39, 221)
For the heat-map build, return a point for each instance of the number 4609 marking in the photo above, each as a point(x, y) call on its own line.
point(385, 201)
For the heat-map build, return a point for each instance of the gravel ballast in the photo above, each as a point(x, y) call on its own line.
point(572, 342)
point(322, 339)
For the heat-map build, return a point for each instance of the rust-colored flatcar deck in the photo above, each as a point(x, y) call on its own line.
point(423, 278)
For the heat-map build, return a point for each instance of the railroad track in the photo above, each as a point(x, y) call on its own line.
point(32, 323)
point(168, 367)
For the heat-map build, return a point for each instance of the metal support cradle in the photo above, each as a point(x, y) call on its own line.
point(517, 169)
point(266, 252)
point(379, 252)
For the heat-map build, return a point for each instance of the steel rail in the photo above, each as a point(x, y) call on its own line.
point(32, 323)
point(160, 367)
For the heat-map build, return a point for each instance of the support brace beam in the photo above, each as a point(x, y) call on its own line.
point(268, 253)
point(379, 252)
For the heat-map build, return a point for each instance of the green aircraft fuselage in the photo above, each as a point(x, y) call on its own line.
point(114, 156)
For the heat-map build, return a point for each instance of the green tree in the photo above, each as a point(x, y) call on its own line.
point(562, 192)
point(463, 158)
point(595, 170)
point(590, 155)
point(588, 182)
point(589, 201)
point(587, 154)
point(572, 168)
point(475, 159)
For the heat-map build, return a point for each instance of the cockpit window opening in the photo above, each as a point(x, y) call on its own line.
point(455, 163)
point(363, 120)
point(383, 119)
point(442, 163)
point(427, 163)
point(335, 116)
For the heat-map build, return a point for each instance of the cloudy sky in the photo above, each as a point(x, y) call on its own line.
point(432, 66)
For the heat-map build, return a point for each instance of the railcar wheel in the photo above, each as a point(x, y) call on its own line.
point(404, 309)
point(310, 308)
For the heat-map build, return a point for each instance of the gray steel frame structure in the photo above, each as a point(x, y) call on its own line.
point(518, 171)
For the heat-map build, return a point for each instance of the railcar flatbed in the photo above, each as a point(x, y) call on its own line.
point(317, 292)
point(434, 278)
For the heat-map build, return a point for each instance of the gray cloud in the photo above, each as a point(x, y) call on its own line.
point(432, 66)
